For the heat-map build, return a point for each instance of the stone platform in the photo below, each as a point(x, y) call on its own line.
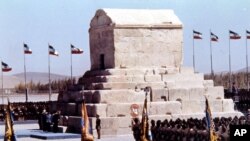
point(174, 95)
point(131, 49)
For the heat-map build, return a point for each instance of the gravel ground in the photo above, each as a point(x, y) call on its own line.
point(23, 128)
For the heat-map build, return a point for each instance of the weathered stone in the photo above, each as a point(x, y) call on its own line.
point(159, 94)
point(134, 49)
point(214, 92)
point(216, 105)
point(164, 108)
point(116, 96)
point(186, 70)
point(192, 106)
point(208, 83)
point(116, 43)
point(178, 94)
point(228, 105)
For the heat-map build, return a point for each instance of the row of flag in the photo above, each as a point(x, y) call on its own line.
point(52, 51)
point(233, 35)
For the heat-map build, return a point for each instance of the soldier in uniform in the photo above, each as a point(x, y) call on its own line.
point(98, 126)
point(136, 129)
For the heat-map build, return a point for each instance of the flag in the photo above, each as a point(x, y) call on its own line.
point(144, 122)
point(197, 35)
point(234, 35)
point(210, 123)
point(5, 67)
point(214, 37)
point(85, 125)
point(75, 50)
point(248, 34)
point(9, 131)
point(52, 51)
point(27, 50)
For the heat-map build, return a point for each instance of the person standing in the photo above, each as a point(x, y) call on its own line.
point(98, 126)
point(136, 129)
point(48, 121)
point(55, 120)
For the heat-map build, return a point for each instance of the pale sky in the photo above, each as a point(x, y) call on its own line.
point(64, 22)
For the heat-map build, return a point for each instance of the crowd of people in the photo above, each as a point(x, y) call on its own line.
point(241, 98)
point(192, 129)
point(25, 111)
point(49, 121)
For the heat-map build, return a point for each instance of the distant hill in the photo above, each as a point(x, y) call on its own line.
point(10, 81)
point(13, 80)
point(243, 70)
point(40, 77)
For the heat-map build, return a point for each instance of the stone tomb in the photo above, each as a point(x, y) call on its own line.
point(130, 50)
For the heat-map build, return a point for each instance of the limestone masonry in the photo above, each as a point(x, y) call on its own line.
point(131, 49)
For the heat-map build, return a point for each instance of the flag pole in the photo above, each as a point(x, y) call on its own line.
point(25, 82)
point(193, 54)
point(211, 57)
point(230, 79)
point(49, 73)
point(247, 64)
point(2, 80)
point(71, 66)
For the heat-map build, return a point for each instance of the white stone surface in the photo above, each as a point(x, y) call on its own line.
point(196, 93)
point(149, 40)
point(137, 17)
point(178, 93)
point(214, 92)
point(192, 106)
point(160, 94)
point(164, 108)
point(143, 48)
point(118, 96)
point(228, 105)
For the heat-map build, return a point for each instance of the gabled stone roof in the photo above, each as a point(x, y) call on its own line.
point(137, 17)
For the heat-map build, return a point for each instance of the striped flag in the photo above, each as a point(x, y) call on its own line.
point(248, 34)
point(197, 35)
point(9, 131)
point(5, 67)
point(144, 122)
point(234, 35)
point(210, 123)
point(27, 50)
point(214, 37)
point(75, 50)
point(85, 136)
point(52, 51)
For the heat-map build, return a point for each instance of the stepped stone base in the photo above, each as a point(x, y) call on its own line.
point(175, 94)
point(122, 125)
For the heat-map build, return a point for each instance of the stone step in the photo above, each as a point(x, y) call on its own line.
point(122, 125)
point(115, 78)
point(124, 109)
point(183, 77)
point(115, 96)
point(154, 108)
point(138, 94)
point(158, 94)
point(208, 83)
point(185, 84)
point(195, 93)
point(134, 71)
point(125, 85)
point(187, 70)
